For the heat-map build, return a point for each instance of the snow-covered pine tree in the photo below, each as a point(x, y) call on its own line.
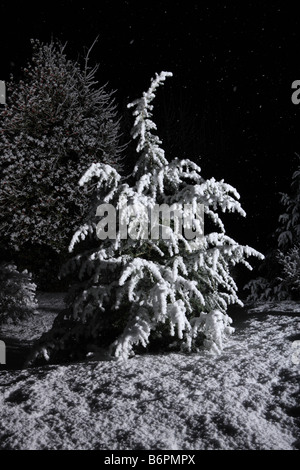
point(17, 294)
point(57, 122)
point(133, 290)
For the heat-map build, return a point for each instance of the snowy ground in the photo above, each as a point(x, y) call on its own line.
point(248, 398)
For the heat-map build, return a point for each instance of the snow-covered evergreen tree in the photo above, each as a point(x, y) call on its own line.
point(57, 122)
point(133, 290)
point(17, 294)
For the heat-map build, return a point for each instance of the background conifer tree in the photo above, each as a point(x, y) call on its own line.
point(57, 122)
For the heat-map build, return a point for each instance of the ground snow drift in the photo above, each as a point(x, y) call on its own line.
point(247, 398)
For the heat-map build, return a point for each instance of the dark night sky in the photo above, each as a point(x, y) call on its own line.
point(233, 65)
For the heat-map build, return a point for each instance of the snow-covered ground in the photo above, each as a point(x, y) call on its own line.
point(247, 398)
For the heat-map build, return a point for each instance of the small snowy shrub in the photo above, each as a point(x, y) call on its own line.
point(289, 229)
point(134, 290)
point(281, 269)
point(265, 290)
point(17, 294)
point(290, 262)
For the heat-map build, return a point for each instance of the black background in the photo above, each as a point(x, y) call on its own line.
point(233, 64)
